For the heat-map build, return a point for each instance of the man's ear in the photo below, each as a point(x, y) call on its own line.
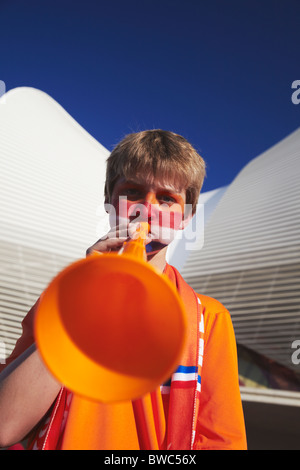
point(185, 221)
point(106, 204)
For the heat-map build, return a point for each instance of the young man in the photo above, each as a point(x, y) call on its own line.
point(154, 176)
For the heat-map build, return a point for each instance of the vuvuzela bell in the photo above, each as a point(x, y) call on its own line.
point(110, 327)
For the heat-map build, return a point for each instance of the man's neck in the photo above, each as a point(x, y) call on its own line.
point(158, 259)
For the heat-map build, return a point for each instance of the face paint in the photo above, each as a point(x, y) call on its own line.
point(163, 222)
point(159, 204)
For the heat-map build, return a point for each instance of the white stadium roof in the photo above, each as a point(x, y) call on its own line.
point(250, 259)
point(246, 251)
point(52, 176)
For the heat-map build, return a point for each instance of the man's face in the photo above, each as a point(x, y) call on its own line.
point(159, 204)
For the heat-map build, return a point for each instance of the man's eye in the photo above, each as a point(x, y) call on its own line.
point(131, 192)
point(166, 198)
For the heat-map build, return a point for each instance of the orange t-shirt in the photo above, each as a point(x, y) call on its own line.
point(220, 423)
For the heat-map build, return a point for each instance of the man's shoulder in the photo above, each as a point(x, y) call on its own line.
point(211, 305)
point(215, 315)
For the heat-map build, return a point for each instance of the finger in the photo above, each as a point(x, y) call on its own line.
point(104, 246)
point(118, 232)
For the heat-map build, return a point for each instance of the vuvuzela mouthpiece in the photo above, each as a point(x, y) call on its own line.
point(136, 246)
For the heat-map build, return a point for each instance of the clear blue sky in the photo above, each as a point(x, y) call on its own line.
point(218, 72)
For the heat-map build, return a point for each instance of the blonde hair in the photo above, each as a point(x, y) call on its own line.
point(157, 154)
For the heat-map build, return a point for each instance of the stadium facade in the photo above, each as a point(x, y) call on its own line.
point(243, 249)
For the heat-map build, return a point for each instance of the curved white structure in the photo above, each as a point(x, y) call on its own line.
point(51, 186)
point(250, 260)
point(52, 175)
point(51, 200)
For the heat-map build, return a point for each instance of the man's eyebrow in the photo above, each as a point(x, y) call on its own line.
point(168, 189)
point(162, 189)
point(131, 183)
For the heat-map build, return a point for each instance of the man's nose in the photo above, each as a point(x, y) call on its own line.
point(150, 198)
point(148, 204)
point(146, 208)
